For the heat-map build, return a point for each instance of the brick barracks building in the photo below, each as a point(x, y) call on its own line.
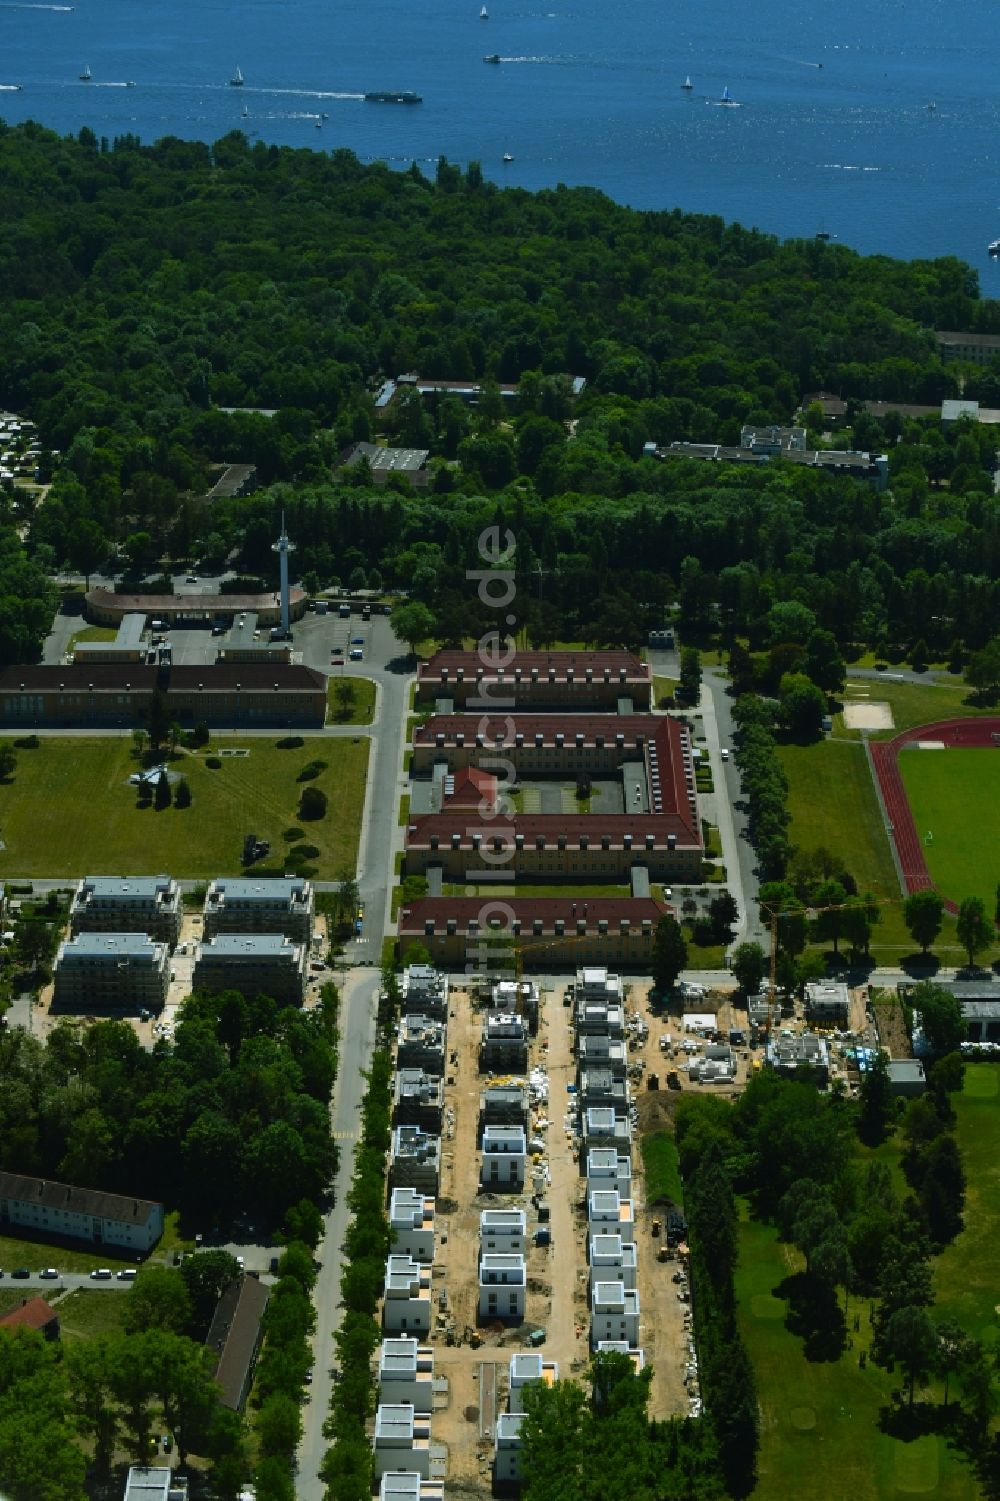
point(552, 933)
point(536, 681)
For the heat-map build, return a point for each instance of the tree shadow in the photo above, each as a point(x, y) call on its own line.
point(920, 964)
point(814, 1315)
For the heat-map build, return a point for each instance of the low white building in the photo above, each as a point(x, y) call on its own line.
point(609, 1214)
point(505, 1155)
point(402, 1440)
point(526, 1367)
point(503, 1231)
point(406, 1373)
point(502, 1286)
point(594, 983)
point(411, 1224)
point(409, 1485)
point(607, 1168)
point(603, 1126)
point(406, 1308)
point(613, 1260)
point(614, 1314)
point(46, 1209)
point(507, 1449)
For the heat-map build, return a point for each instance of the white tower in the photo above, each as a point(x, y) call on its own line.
point(283, 547)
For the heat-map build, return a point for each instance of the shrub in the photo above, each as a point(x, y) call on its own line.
point(311, 771)
point(162, 795)
point(213, 763)
point(292, 836)
point(27, 742)
point(305, 852)
point(312, 804)
point(182, 794)
point(290, 742)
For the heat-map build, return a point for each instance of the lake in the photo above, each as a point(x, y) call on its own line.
point(872, 121)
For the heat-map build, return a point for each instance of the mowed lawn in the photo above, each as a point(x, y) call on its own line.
point(69, 809)
point(833, 805)
point(912, 704)
point(819, 1420)
point(955, 796)
point(966, 1282)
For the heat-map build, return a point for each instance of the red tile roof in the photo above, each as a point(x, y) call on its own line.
point(33, 1314)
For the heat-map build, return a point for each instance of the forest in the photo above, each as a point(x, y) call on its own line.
point(146, 288)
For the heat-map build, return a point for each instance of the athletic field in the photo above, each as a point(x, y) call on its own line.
point(954, 796)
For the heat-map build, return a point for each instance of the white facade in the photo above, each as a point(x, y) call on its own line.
point(604, 1127)
point(408, 1485)
point(607, 1168)
point(502, 1284)
point(507, 1449)
point(411, 1224)
point(505, 1154)
point(406, 1373)
point(525, 1367)
point(402, 1440)
point(611, 1260)
point(609, 1213)
point(503, 1231)
point(614, 1314)
point(103, 1219)
point(407, 1305)
point(595, 983)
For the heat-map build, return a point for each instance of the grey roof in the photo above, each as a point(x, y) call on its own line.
point(152, 1484)
point(263, 889)
point(244, 945)
point(904, 1069)
point(111, 946)
point(131, 630)
point(42, 1191)
point(127, 886)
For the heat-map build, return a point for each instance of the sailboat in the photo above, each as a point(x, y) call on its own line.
point(86, 75)
point(687, 84)
point(246, 112)
point(727, 101)
point(484, 14)
point(236, 82)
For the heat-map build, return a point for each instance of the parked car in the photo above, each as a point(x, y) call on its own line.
point(21, 1273)
point(49, 1273)
point(357, 640)
point(127, 1274)
point(356, 654)
point(101, 1274)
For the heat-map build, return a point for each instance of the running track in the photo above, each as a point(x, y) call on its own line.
point(885, 759)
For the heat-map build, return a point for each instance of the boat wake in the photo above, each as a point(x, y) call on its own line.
point(309, 93)
point(28, 5)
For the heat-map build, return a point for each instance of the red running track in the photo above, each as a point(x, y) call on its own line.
point(963, 733)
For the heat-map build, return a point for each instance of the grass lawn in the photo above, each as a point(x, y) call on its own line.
point(954, 794)
point(360, 709)
point(92, 633)
point(966, 1281)
point(85, 1313)
point(911, 704)
point(69, 809)
point(659, 1162)
point(819, 1420)
point(664, 688)
point(35, 1254)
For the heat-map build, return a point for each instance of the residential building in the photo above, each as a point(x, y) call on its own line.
point(607, 1168)
point(507, 1450)
point(622, 1347)
point(57, 1209)
point(422, 1043)
point(828, 1003)
point(411, 1224)
point(33, 1313)
point(603, 1126)
point(128, 904)
point(609, 1214)
point(907, 1080)
point(598, 1086)
point(418, 1100)
point(105, 607)
point(551, 932)
point(613, 1260)
point(596, 1018)
point(406, 1308)
point(502, 1284)
point(415, 1159)
point(424, 992)
point(505, 1155)
point(614, 1313)
point(406, 1373)
point(502, 1105)
point(529, 1366)
point(786, 1055)
point(535, 680)
point(503, 1047)
point(260, 904)
point(402, 1439)
point(597, 1051)
point(254, 964)
point(155, 1483)
point(111, 972)
point(235, 1335)
point(974, 348)
point(502, 1231)
point(409, 1485)
point(871, 468)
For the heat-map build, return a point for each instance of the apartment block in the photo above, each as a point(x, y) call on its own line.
point(128, 904)
point(411, 1224)
point(111, 972)
point(45, 1208)
point(561, 930)
point(254, 964)
point(274, 904)
point(535, 680)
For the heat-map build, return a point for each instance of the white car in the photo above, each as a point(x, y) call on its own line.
point(101, 1274)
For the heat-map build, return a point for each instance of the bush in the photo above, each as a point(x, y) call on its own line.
point(182, 794)
point(213, 763)
point(290, 742)
point(200, 735)
point(292, 836)
point(305, 852)
point(27, 742)
point(312, 804)
point(311, 771)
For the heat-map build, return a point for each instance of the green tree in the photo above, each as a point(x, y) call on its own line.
point(941, 1018)
point(878, 1109)
point(182, 793)
point(923, 913)
point(86, 546)
point(8, 760)
point(801, 706)
point(912, 1340)
point(972, 927)
point(303, 1222)
point(823, 661)
point(749, 965)
point(158, 1299)
point(312, 804)
point(689, 687)
point(412, 623)
point(345, 694)
point(669, 953)
point(206, 1275)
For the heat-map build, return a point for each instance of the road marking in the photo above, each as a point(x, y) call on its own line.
point(346, 1136)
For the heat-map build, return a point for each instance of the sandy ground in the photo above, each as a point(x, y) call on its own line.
point(868, 716)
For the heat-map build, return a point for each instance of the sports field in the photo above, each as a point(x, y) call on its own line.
point(966, 1280)
point(69, 810)
point(954, 796)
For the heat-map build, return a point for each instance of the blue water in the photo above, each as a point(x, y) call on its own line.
point(833, 131)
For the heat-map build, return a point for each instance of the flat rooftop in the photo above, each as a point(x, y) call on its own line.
point(131, 888)
point(111, 946)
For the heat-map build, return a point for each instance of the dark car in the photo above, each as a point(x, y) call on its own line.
point(21, 1273)
point(357, 640)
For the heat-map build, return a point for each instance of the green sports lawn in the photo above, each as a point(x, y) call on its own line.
point(69, 811)
point(955, 795)
point(966, 1281)
point(833, 805)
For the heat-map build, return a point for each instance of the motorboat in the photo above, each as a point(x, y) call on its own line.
point(492, 57)
point(994, 247)
point(507, 157)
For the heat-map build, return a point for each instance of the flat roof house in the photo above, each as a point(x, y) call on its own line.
point(608, 1168)
point(406, 1308)
point(406, 1372)
point(254, 964)
point(505, 1155)
point(507, 1450)
point(128, 904)
point(155, 1483)
point(111, 972)
point(502, 1283)
point(613, 1260)
point(786, 1055)
point(409, 1485)
point(418, 1100)
point(402, 1439)
point(415, 1159)
point(424, 991)
point(503, 1105)
point(614, 1313)
point(609, 1214)
point(907, 1079)
point(502, 1231)
point(57, 1209)
point(526, 1367)
point(827, 1003)
point(411, 1224)
point(421, 1043)
point(274, 904)
point(503, 1045)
